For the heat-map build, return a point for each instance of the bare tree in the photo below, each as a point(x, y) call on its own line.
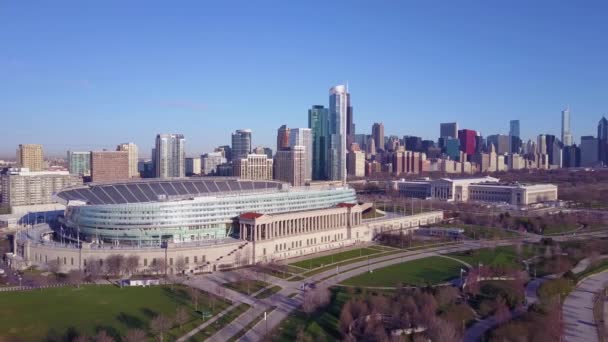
point(114, 265)
point(159, 325)
point(181, 316)
point(346, 318)
point(441, 330)
point(315, 299)
point(102, 336)
point(135, 335)
point(502, 314)
point(158, 266)
point(195, 296)
point(446, 296)
point(132, 264)
point(180, 265)
point(75, 277)
point(93, 269)
point(53, 266)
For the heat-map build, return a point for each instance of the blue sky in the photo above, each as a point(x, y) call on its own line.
point(85, 75)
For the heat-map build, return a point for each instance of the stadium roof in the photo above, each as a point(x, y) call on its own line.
point(158, 190)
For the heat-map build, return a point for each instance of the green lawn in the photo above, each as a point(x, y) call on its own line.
point(431, 270)
point(221, 322)
point(503, 256)
point(560, 228)
point(333, 258)
point(59, 314)
point(247, 287)
point(268, 292)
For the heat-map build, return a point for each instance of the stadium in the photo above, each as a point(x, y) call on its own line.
point(153, 212)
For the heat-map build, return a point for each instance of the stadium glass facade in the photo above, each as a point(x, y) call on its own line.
point(147, 213)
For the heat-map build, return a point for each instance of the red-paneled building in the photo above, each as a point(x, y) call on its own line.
point(467, 141)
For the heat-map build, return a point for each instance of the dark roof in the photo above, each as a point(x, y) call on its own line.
point(155, 190)
point(345, 205)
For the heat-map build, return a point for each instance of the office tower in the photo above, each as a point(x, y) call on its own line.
point(467, 141)
point(210, 162)
point(541, 144)
point(283, 138)
point(30, 156)
point(339, 99)
point(549, 141)
point(241, 144)
point(514, 137)
point(318, 122)
point(133, 157)
point(452, 148)
point(602, 137)
point(567, 139)
point(448, 130)
point(290, 165)
point(79, 163)
point(193, 166)
point(413, 143)
point(170, 157)
point(371, 146)
point(355, 163)
point(378, 135)
point(303, 137)
point(572, 156)
point(480, 144)
point(589, 151)
point(253, 166)
point(361, 140)
point(109, 166)
point(225, 150)
point(20, 187)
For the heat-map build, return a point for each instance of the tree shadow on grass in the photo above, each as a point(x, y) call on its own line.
point(111, 331)
point(149, 312)
point(132, 322)
point(68, 336)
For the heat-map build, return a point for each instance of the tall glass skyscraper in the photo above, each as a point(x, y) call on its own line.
point(566, 133)
point(318, 121)
point(241, 144)
point(170, 156)
point(339, 102)
point(514, 139)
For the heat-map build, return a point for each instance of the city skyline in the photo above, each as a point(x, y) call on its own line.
point(117, 86)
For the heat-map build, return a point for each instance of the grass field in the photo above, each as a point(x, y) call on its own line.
point(503, 256)
point(59, 314)
point(334, 258)
point(421, 272)
point(268, 292)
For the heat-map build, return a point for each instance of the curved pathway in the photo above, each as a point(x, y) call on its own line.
point(577, 311)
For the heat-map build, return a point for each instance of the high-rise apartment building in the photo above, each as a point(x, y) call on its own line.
point(303, 137)
point(30, 156)
point(170, 156)
point(567, 139)
point(355, 163)
point(283, 134)
point(109, 166)
point(339, 101)
point(211, 161)
point(253, 166)
point(133, 157)
point(448, 130)
point(22, 187)
point(318, 122)
point(79, 163)
point(378, 135)
point(241, 144)
point(467, 141)
point(193, 166)
point(290, 165)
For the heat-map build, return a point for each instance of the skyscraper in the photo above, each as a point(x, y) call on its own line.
point(350, 124)
point(514, 128)
point(602, 137)
point(170, 156)
point(303, 137)
point(566, 132)
point(193, 166)
point(290, 165)
point(253, 166)
point(210, 162)
point(589, 151)
point(448, 130)
point(241, 144)
point(514, 137)
point(30, 156)
point(133, 157)
point(541, 144)
point(283, 138)
point(339, 99)
point(318, 122)
point(378, 135)
point(467, 141)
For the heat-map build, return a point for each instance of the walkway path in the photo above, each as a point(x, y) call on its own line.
point(578, 309)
